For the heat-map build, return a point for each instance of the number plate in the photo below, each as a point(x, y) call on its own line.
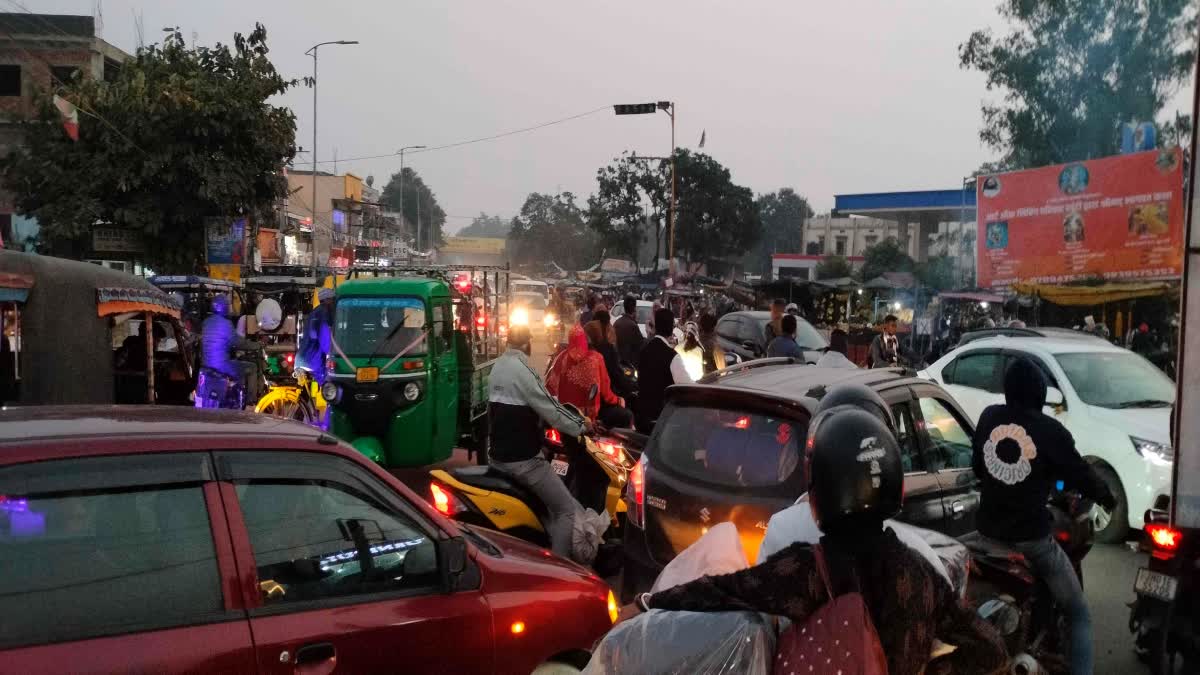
point(1156, 585)
point(367, 374)
point(559, 467)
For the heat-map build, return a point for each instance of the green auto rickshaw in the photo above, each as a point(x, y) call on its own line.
point(407, 383)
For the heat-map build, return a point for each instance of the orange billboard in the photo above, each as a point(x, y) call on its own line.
point(1117, 217)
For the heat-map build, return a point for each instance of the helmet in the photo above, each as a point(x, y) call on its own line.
point(858, 396)
point(220, 305)
point(855, 479)
point(792, 308)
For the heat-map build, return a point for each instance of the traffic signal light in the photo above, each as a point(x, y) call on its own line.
point(635, 109)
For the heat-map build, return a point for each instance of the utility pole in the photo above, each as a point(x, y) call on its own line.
point(401, 151)
point(313, 198)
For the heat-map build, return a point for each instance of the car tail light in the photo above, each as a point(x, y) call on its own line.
point(443, 500)
point(554, 436)
point(480, 320)
point(1164, 537)
point(637, 492)
point(742, 423)
point(291, 358)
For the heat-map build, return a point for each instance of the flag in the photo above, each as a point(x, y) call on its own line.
point(70, 116)
point(702, 132)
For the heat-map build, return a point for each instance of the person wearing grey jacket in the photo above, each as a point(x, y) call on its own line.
point(518, 403)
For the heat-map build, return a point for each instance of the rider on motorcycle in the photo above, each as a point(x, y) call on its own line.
point(315, 344)
point(218, 342)
point(856, 482)
point(1019, 454)
point(517, 404)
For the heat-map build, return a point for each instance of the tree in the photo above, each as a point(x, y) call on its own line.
point(885, 256)
point(715, 218)
point(551, 228)
point(483, 225)
point(936, 273)
point(1072, 70)
point(834, 267)
point(618, 211)
point(421, 208)
point(782, 213)
point(181, 135)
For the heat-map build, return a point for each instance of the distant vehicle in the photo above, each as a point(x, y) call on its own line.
point(731, 449)
point(1115, 403)
point(518, 286)
point(530, 309)
point(140, 539)
point(744, 333)
point(1050, 332)
point(645, 315)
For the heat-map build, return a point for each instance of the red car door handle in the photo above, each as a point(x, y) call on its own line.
point(316, 659)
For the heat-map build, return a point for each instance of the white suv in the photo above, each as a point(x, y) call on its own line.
point(1115, 403)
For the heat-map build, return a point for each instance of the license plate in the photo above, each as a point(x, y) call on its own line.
point(1156, 585)
point(559, 467)
point(367, 374)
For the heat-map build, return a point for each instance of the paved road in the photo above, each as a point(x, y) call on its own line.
point(1108, 575)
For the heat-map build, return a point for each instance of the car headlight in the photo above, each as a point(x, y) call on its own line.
point(519, 317)
point(549, 319)
point(411, 391)
point(1159, 453)
point(331, 392)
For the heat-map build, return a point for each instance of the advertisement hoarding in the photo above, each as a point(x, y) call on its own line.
point(1117, 217)
point(224, 241)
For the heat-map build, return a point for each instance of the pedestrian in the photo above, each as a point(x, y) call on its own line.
point(589, 307)
point(1142, 342)
point(773, 328)
point(658, 366)
point(784, 345)
point(714, 354)
point(691, 351)
point(629, 333)
point(885, 348)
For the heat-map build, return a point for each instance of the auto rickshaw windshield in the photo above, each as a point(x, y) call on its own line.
point(362, 324)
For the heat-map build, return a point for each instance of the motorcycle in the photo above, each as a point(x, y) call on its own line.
point(216, 390)
point(1165, 615)
point(1006, 593)
point(301, 401)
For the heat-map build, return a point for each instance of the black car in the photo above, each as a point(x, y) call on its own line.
point(730, 449)
point(744, 334)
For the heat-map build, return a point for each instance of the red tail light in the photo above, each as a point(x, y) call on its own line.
point(1164, 537)
point(742, 423)
point(637, 492)
point(553, 436)
point(442, 501)
point(291, 358)
point(611, 449)
point(480, 320)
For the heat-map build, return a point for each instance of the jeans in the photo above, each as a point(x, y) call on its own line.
point(536, 475)
point(1053, 567)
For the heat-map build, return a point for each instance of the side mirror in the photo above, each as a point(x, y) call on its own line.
point(749, 344)
point(452, 559)
point(1054, 398)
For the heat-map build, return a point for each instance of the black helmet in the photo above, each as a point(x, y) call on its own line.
point(855, 478)
point(858, 396)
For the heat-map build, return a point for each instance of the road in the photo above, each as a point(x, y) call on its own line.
point(1108, 573)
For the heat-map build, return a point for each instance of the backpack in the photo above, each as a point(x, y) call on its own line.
point(837, 638)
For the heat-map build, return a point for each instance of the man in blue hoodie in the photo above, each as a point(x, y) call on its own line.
point(1020, 453)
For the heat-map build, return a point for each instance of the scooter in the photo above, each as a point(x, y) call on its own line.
point(1005, 591)
point(1165, 615)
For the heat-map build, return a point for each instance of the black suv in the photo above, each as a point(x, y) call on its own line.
point(730, 448)
point(744, 333)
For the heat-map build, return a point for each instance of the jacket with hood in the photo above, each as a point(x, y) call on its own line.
point(573, 374)
point(1019, 454)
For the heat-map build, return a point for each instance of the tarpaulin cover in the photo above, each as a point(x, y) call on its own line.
point(687, 643)
point(1086, 296)
point(719, 551)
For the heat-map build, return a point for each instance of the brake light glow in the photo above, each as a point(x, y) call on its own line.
point(1163, 536)
point(742, 423)
point(291, 358)
point(554, 436)
point(480, 320)
point(518, 627)
point(611, 449)
point(613, 611)
point(441, 500)
point(462, 283)
point(637, 489)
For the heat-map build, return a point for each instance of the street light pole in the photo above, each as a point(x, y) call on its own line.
point(649, 109)
point(313, 198)
point(402, 151)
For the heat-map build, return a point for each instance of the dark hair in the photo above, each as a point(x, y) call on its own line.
point(779, 302)
point(664, 322)
point(839, 342)
point(602, 316)
point(890, 318)
point(788, 324)
point(630, 304)
point(590, 302)
point(708, 322)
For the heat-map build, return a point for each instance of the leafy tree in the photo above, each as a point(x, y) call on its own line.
point(551, 228)
point(782, 213)
point(834, 267)
point(617, 211)
point(1072, 70)
point(937, 272)
point(180, 135)
point(483, 225)
point(715, 218)
point(885, 256)
point(419, 201)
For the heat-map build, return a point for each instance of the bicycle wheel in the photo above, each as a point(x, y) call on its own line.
point(283, 402)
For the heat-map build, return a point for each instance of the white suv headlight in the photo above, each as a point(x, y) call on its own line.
point(1159, 453)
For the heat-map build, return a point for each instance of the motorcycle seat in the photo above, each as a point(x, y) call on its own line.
point(992, 550)
point(487, 478)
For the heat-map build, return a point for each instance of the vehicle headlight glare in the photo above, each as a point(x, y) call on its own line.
point(520, 317)
point(411, 391)
point(1159, 453)
point(550, 319)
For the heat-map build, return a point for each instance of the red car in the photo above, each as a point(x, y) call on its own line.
point(140, 539)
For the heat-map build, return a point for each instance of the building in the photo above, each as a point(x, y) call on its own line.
point(845, 236)
point(39, 52)
point(803, 266)
point(472, 251)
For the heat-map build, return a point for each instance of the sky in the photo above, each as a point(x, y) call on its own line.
point(823, 97)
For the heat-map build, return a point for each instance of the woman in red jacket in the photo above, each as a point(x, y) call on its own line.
point(572, 376)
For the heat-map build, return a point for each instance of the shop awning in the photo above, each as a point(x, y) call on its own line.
point(1086, 296)
point(110, 301)
point(972, 297)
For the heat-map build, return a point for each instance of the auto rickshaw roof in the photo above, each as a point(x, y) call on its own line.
point(384, 286)
point(112, 291)
point(191, 282)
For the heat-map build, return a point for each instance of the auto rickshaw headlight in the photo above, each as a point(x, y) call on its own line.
point(331, 392)
point(549, 319)
point(411, 391)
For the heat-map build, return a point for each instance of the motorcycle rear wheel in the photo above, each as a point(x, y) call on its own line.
point(285, 403)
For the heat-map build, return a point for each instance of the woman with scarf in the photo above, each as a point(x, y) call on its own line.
point(600, 335)
point(571, 378)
